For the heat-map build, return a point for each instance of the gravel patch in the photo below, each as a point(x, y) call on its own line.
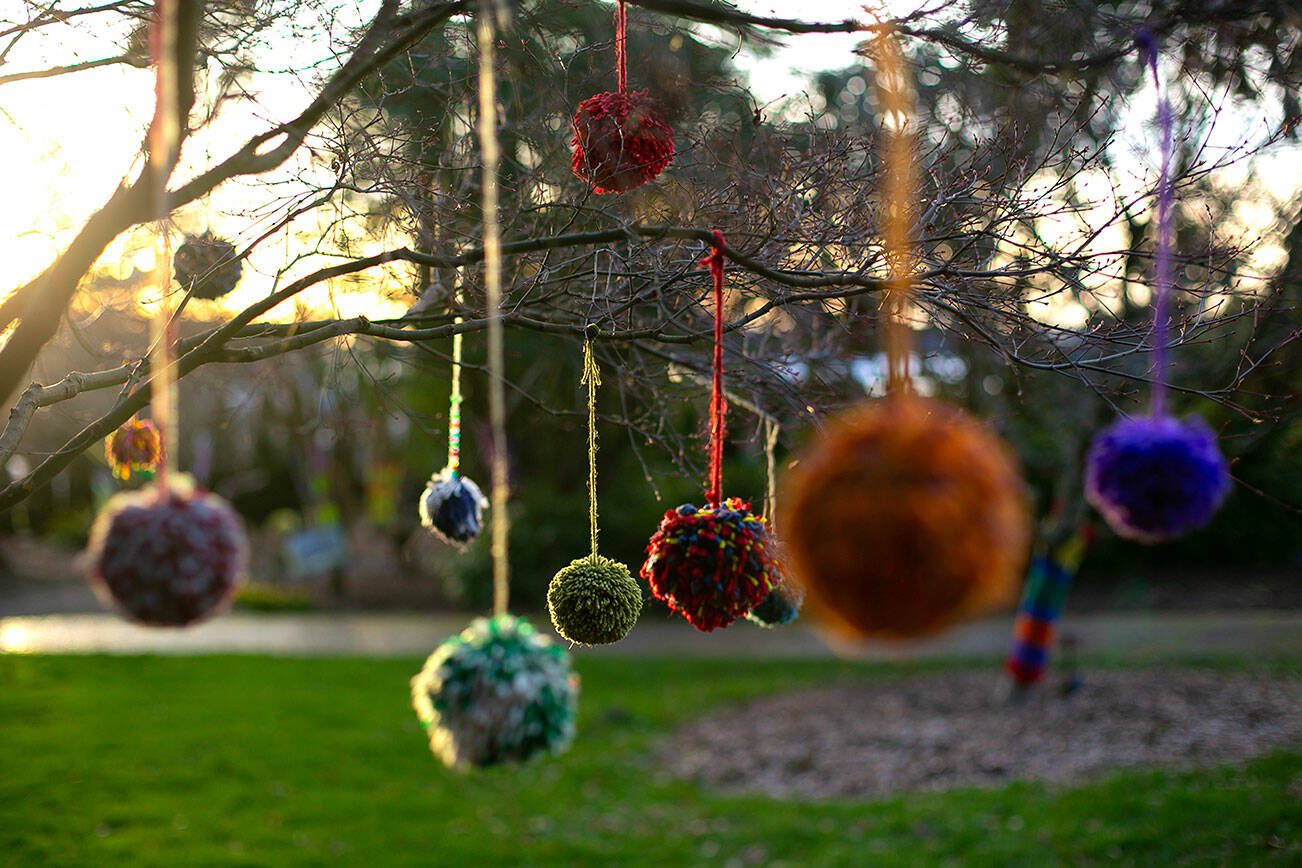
point(937, 732)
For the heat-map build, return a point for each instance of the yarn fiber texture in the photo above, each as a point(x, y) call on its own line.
point(134, 450)
point(907, 516)
point(594, 601)
point(168, 557)
point(498, 692)
point(711, 565)
point(1155, 479)
point(453, 507)
point(207, 266)
point(620, 141)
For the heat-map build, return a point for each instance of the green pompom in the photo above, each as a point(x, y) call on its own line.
point(594, 601)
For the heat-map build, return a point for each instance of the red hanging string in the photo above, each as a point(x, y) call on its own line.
point(621, 46)
point(718, 404)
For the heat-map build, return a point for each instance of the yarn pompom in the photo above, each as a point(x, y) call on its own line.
point(498, 692)
point(167, 557)
point(711, 565)
point(907, 516)
point(781, 606)
point(594, 601)
point(1155, 479)
point(207, 266)
point(453, 507)
point(134, 450)
point(620, 141)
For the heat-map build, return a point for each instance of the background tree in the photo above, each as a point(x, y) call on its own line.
point(1032, 235)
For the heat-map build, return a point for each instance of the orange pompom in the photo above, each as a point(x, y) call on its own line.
point(135, 449)
point(908, 515)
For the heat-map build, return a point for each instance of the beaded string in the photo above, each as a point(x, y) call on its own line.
point(164, 143)
point(591, 378)
point(454, 407)
point(621, 46)
point(714, 261)
point(1162, 255)
point(493, 301)
point(896, 98)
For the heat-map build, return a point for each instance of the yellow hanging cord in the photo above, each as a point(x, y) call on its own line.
point(895, 96)
point(493, 299)
point(592, 377)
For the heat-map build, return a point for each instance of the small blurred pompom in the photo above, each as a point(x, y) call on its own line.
point(781, 606)
point(134, 450)
point(167, 557)
point(620, 141)
point(907, 516)
point(594, 601)
point(711, 565)
point(1155, 479)
point(498, 692)
point(207, 266)
point(453, 507)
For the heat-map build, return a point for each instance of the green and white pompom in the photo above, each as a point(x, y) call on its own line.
point(498, 692)
point(594, 601)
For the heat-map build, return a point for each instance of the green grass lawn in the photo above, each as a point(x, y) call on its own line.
point(249, 760)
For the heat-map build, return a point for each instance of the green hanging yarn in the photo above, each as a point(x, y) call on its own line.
point(594, 600)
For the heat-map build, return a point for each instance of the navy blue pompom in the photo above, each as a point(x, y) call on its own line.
point(781, 606)
point(1155, 479)
point(453, 507)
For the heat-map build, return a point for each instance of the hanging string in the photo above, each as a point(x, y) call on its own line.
point(1162, 256)
point(592, 378)
point(621, 45)
point(771, 431)
point(493, 300)
point(714, 261)
point(164, 143)
point(896, 98)
point(454, 407)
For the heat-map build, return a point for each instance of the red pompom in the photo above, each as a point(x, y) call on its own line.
point(711, 565)
point(620, 141)
point(167, 557)
point(907, 516)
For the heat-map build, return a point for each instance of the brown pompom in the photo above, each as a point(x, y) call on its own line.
point(905, 517)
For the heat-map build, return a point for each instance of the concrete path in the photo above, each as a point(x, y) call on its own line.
point(1265, 633)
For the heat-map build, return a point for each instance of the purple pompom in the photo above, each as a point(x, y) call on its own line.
point(1155, 479)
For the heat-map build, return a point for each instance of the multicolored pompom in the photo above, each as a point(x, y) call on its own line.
point(134, 450)
point(453, 507)
point(711, 565)
point(594, 601)
point(1154, 479)
point(498, 692)
point(207, 266)
point(620, 141)
point(167, 557)
point(907, 516)
point(781, 606)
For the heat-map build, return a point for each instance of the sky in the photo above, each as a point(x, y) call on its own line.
point(76, 136)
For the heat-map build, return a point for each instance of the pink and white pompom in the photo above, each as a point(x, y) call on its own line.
point(167, 557)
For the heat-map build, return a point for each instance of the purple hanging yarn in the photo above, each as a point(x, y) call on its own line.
point(1157, 478)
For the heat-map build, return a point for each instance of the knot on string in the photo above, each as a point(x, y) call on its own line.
point(714, 261)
